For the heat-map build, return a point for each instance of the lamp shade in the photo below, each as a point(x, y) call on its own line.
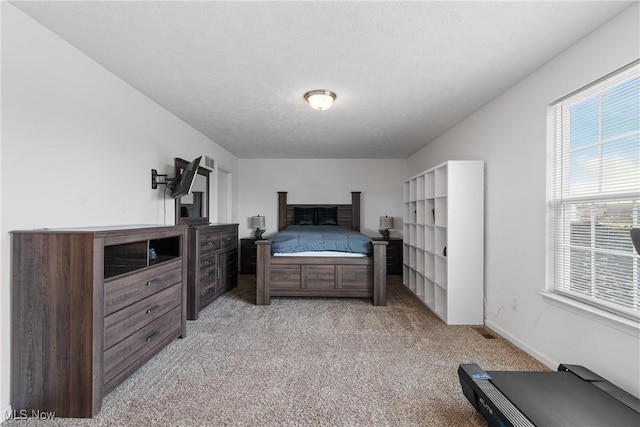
point(320, 99)
point(386, 222)
point(257, 221)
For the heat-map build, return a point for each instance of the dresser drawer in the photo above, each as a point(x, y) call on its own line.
point(229, 239)
point(209, 242)
point(207, 296)
point(393, 250)
point(119, 293)
point(208, 287)
point(208, 274)
point(231, 266)
point(232, 258)
point(250, 258)
point(207, 261)
point(127, 351)
point(122, 323)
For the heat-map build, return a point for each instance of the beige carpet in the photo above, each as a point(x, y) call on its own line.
point(308, 362)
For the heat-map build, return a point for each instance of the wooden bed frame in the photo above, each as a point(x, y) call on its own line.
point(356, 277)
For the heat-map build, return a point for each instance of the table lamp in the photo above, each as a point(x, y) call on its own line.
point(386, 223)
point(258, 222)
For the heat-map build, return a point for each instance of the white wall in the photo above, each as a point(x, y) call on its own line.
point(322, 181)
point(78, 145)
point(510, 135)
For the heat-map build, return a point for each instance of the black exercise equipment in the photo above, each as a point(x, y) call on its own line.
point(573, 396)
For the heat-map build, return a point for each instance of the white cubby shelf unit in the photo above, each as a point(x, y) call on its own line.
point(444, 240)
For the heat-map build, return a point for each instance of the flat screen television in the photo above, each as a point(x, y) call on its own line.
point(184, 182)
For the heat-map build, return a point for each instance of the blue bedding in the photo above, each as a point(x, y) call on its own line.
point(301, 238)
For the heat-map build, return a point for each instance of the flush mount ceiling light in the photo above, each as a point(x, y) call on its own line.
point(320, 99)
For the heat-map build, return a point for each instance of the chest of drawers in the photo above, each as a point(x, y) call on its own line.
point(394, 255)
point(90, 306)
point(248, 255)
point(213, 264)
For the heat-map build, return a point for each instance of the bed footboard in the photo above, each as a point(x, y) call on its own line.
point(321, 276)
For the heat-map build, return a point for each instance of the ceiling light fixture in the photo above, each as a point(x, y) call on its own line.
point(320, 99)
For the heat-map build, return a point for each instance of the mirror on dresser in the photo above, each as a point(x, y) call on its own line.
point(194, 207)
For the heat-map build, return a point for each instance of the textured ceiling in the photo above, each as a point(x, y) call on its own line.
point(404, 72)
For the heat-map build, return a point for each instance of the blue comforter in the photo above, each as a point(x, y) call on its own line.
point(301, 238)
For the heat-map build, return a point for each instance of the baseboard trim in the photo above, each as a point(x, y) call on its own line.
point(550, 363)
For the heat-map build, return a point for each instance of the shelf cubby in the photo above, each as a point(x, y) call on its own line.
point(440, 302)
point(429, 293)
point(420, 287)
point(429, 266)
point(440, 270)
point(412, 190)
point(429, 210)
point(440, 240)
point(420, 235)
point(420, 212)
point(420, 261)
point(429, 185)
point(429, 239)
point(420, 188)
point(441, 213)
point(441, 181)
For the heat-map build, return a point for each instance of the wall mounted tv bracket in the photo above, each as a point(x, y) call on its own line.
point(169, 182)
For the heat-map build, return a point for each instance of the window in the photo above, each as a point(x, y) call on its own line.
point(594, 172)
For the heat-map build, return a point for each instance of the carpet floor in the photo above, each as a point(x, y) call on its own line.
point(307, 362)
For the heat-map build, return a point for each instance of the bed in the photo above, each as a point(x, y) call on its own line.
point(342, 275)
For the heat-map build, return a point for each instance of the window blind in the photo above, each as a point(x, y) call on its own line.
point(594, 170)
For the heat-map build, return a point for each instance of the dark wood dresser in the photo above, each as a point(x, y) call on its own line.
point(248, 255)
point(394, 255)
point(213, 264)
point(89, 307)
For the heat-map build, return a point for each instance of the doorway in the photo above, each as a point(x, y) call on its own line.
point(223, 193)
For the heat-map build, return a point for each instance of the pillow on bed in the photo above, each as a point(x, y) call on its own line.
point(327, 216)
point(304, 216)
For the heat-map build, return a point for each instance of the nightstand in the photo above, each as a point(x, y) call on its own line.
point(394, 255)
point(248, 253)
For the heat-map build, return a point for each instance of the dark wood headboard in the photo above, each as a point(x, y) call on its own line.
point(348, 215)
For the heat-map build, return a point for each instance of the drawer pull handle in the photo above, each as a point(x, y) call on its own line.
point(210, 243)
point(152, 336)
point(207, 262)
point(153, 309)
point(151, 282)
point(208, 290)
point(206, 275)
